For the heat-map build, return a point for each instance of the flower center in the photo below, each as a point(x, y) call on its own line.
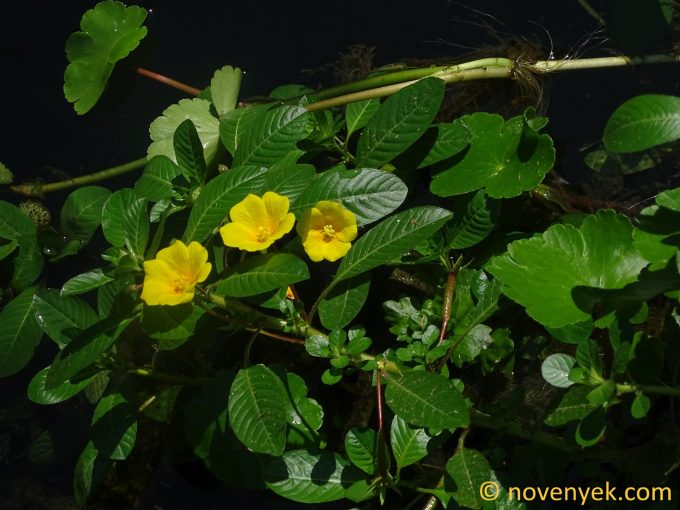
point(181, 285)
point(263, 233)
point(328, 233)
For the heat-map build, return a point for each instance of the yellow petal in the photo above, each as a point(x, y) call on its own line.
point(238, 236)
point(159, 270)
point(314, 245)
point(285, 226)
point(276, 205)
point(176, 256)
point(250, 212)
point(198, 265)
point(335, 249)
point(347, 234)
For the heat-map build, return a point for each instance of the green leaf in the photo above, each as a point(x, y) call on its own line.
point(81, 213)
point(399, 122)
point(289, 180)
point(643, 122)
point(469, 470)
point(370, 194)
point(6, 175)
point(85, 282)
point(257, 411)
point(90, 471)
point(14, 224)
point(125, 221)
point(109, 33)
point(27, 264)
point(61, 441)
point(289, 91)
point(440, 142)
point(60, 317)
point(505, 158)
point(262, 273)
point(640, 406)
point(573, 406)
point(224, 88)
point(235, 123)
point(189, 152)
point(390, 239)
point(475, 220)
point(555, 369)
point(409, 444)
point(156, 182)
point(303, 414)
point(318, 346)
point(20, 333)
point(85, 349)
point(344, 302)
point(599, 255)
point(427, 400)
point(602, 394)
point(40, 393)
point(361, 445)
point(359, 113)
point(573, 333)
point(114, 426)
point(163, 129)
point(592, 428)
point(6, 249)
point(310, 477)
point(273, 135)
point(171, 323)
point(218, 197)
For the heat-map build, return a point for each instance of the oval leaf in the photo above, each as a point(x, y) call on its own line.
point(85, 282)
point(81, 213)
point(370, 194)
point(469, 470)
point(390, 239)
point(125, 221)
point(399, 122)
point(427, 400)
point(643, 122)
point(257, 410)
point(555, 369)
point(61, 317)
point(361, 446)
point(262, 273)
point(344, 302)
point(155, 183)
point(218, 197)
point(114, 426)
point(20, 333)
point(409, 444)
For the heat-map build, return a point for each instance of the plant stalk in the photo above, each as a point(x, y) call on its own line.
point(193, 91)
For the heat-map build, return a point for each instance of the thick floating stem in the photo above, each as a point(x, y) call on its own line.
point(30, 189)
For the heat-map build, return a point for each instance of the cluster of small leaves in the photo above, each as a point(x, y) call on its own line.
point(590, 283)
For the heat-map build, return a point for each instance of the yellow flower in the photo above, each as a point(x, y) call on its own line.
point(327, 231)
point(170, 278)
point(257, 222)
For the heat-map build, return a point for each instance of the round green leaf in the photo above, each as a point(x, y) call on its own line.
point(344, 302)
point(391, 238)
point(310, 477)
point(361, 445)
point(218, 197)
point(114, 426)
point(163, 129)
point(110, 32)
point(427, 400)
point(39, 393)
point(273, 135)
point(257, 411)
point(262, 273)
point(20, 333)
point(541, 273)
point(370, 194)
point(640, 406)
point(224, 88)
point(505, 158)
point(399, 122)
point(643, 122)
point(555, 369)
point(409, 444)
point(592, 428)
point(81, 213)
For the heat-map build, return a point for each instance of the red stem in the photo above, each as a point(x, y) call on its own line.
point(448, 300)
point(381, 433)
point(193, 91)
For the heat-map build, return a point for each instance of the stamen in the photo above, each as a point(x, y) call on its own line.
point(328, 233)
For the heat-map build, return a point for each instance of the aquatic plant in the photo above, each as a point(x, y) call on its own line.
point(494, 346)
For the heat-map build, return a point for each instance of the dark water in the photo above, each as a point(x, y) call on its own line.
point(40, 135)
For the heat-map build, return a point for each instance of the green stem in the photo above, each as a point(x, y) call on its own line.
point(38, 190)
point(648, 388)
point(589, 9)
point(168, 378)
